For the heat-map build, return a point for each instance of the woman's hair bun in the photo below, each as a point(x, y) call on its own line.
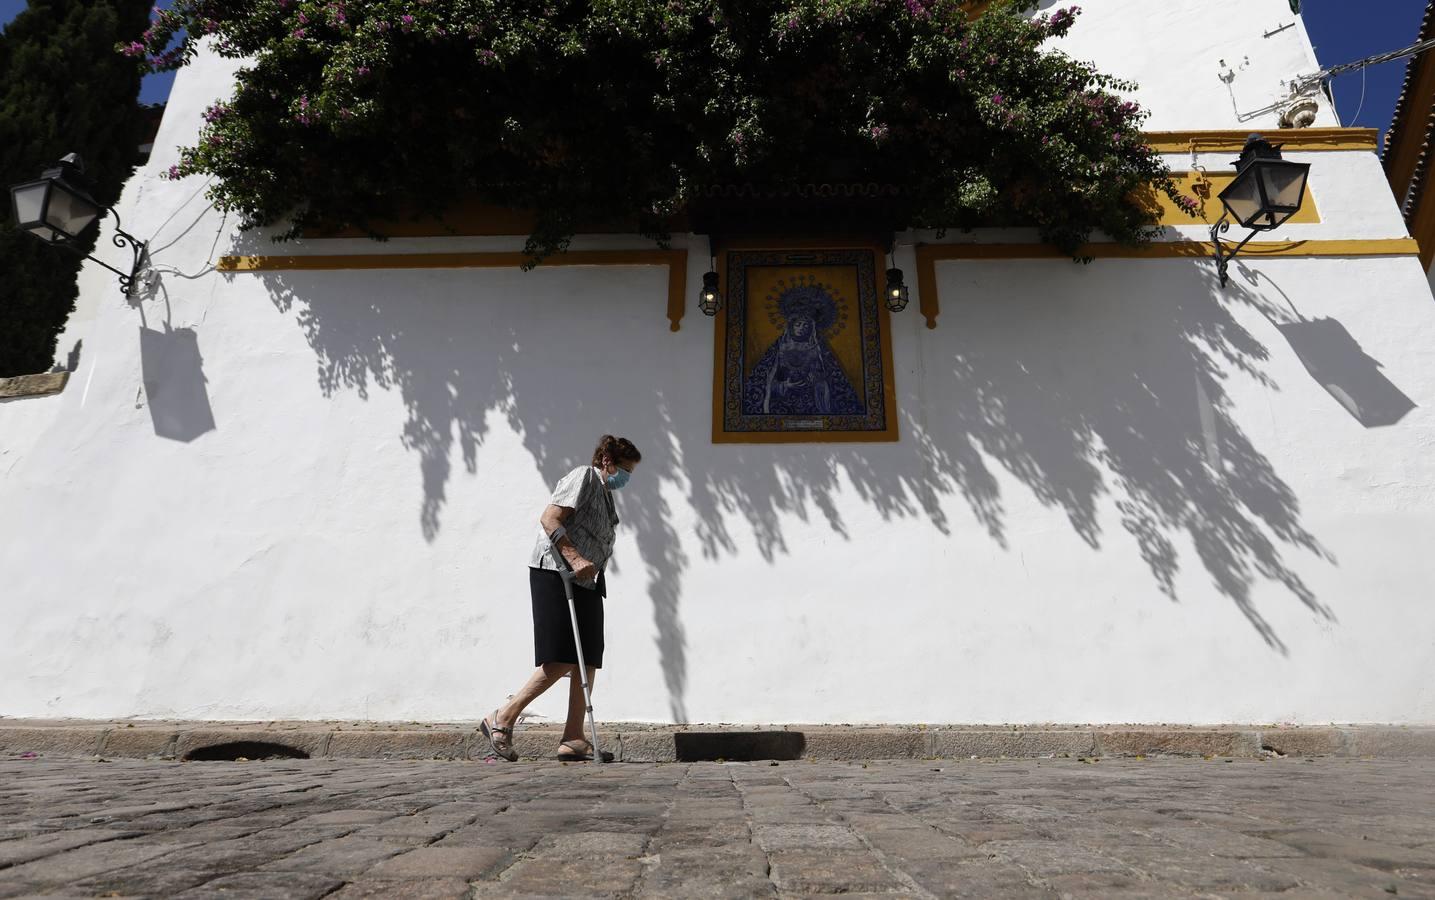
point(618, 449)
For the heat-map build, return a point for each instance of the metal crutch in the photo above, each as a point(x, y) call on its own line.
point(565, 571)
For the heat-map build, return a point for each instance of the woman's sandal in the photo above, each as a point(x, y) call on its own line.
point(576, 755)
point(500, 739)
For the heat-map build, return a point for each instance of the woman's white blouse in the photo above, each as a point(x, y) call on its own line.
point(592, 526)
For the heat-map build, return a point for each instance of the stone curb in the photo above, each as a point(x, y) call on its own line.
point(148, 739)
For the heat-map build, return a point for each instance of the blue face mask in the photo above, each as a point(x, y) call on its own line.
point(618, 479)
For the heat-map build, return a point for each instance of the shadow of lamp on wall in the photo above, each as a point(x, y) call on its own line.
point(1334, 359)
point(174, 382)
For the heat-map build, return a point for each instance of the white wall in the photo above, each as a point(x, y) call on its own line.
point(1199, 64)
point(1119, 494)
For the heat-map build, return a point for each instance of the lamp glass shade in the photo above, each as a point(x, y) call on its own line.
point(1266, 193)
point(897, 294)
point(710, 297)
point(69, 212)
point(27, 205)
point(1242, 198)
point(1283, 184)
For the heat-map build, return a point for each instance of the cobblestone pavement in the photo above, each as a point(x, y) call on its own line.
point(971, 828)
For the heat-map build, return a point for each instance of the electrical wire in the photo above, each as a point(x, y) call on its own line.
point(1356, 118)
point(1330, 72)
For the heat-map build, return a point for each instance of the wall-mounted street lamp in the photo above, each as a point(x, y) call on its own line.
point(1267, 191)
point(58, 208)
point(897, 294)
point(710, 298)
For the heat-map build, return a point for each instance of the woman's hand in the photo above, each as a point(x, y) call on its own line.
point(584, 570)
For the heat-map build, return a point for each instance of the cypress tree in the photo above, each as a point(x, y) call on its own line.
point(63, 88)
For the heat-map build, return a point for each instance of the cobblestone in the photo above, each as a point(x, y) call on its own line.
point(432, 830)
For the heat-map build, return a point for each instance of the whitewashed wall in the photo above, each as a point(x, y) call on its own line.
point(1198, 64)
point(1120, 495)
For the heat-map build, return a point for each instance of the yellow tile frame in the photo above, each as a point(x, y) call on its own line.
point(884, 327)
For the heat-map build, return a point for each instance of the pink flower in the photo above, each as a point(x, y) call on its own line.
point(920, 9)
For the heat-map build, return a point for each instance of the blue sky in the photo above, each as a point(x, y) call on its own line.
point(1344, 31)
point(155, 88)
point(1341, 30)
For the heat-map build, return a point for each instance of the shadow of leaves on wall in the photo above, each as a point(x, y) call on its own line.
point(1126, 408)
point(1085, 393)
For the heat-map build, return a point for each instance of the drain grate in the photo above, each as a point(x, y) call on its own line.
point(252, 750)
point(739, 746)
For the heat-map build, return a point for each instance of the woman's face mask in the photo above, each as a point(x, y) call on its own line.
point(618, 479)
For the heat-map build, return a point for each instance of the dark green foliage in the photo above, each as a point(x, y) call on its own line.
point(354, 111)
point(63, 89)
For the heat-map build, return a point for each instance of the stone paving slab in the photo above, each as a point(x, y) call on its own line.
point(432, 830)
point(639, 742)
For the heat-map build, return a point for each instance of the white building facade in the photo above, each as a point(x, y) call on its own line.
point(302, 480)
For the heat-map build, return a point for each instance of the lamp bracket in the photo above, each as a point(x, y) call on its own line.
point(139, 251)
point(1222, 255)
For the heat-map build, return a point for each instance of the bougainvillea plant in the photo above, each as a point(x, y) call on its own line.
point(353, 112)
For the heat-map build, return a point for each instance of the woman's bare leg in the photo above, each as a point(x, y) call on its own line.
point(543, 678)
point(577, 709)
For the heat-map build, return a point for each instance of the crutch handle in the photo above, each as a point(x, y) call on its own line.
point(564, 568)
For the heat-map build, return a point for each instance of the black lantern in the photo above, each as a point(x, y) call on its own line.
point(710, 298)
point(1267, 191)
point(897, 295)
point(58, 209)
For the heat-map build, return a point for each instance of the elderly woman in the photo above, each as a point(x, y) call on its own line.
point(582, 516)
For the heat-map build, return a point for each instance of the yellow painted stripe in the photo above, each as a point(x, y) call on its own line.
point(675, 260)
point(1168, 213)
point(481, 260)
point(928, 255)
point(1287, 138)
point(1170, 249)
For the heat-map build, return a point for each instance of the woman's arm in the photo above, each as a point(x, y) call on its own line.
point(552, 517)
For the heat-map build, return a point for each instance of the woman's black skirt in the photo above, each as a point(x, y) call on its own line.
point(552, 626)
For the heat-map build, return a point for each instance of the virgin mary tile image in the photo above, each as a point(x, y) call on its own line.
point(803, 351)
point(799, 374)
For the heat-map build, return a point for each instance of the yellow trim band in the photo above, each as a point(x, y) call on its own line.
point(675, 260)
point(1210, 209)
point(928, 255)
point(1288, 138)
